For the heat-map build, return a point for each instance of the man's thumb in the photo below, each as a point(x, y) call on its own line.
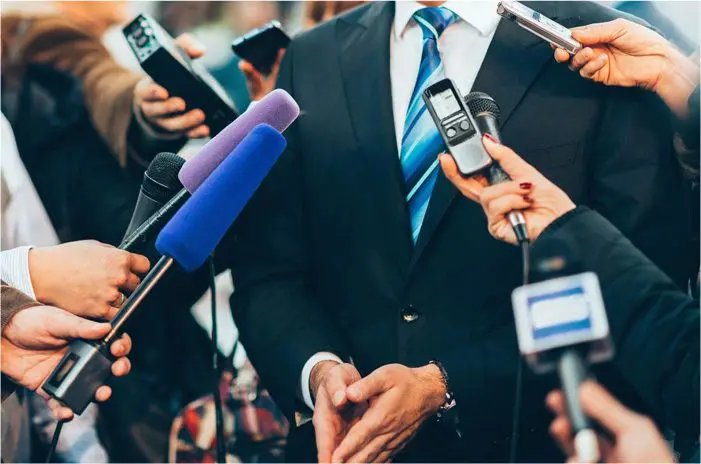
point(68, 326)
point(365, 388)
point(600, 33)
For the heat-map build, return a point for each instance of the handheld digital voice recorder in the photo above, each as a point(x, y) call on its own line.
point(456, 126)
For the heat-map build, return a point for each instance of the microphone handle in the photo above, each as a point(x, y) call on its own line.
point(573, 372)
point(135, 299)
point(487, 124)
point(142, 234)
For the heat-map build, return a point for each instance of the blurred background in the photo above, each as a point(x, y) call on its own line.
point(216, 23)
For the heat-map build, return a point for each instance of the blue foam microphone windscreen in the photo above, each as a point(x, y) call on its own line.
point(198, 227)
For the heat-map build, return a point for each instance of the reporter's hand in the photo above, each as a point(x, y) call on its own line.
point(626, 54)
point(168, 113)
point(636, 438)
point(258, 85)
point(540, 201)
point(401, 399)
point(333, 415)
point(86, 278)
point(35, 340)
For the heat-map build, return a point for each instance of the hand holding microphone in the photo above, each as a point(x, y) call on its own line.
point(35, 339)
point(540, 201)
point(635, 437)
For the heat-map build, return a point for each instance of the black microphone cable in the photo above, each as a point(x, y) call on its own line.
point(526, 265)
point(54, 440)
point(218, 413)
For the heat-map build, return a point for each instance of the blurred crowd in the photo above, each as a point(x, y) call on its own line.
point(84, 123)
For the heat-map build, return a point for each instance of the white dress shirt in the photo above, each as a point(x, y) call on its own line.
point(24, 220)
point(463, 46)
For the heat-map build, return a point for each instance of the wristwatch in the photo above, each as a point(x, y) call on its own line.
point(447, 414)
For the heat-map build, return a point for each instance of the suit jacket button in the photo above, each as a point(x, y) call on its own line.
point(410, 314)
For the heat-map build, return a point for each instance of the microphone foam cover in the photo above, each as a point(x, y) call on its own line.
point(277, 109)
point(198, 227)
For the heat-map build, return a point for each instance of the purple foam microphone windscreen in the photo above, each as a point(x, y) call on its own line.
point(277, 109)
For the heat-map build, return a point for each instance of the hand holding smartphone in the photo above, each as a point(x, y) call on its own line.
point(261, 46)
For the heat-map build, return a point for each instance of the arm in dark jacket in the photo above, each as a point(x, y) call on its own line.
point(654, 325)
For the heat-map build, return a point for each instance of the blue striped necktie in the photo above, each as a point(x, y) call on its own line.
point(421, 142)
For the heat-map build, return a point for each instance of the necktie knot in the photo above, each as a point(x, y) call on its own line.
point(434, 20)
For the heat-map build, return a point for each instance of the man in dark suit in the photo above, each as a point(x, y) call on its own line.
point(357, 247)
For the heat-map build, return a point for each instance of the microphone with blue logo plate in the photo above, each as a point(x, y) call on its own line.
point(561, 325)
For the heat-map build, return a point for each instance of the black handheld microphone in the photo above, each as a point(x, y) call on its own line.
point(486, 114)
point(188, 239)
point(161, 195)
point(561, 325)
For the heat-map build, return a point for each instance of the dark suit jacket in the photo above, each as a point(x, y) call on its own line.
point(324, 259)
point(662, 346)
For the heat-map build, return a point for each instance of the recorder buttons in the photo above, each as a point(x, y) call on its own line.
point(451, 132)
point(464, 125)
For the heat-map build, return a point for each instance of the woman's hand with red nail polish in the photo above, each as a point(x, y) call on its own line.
point(540, 200)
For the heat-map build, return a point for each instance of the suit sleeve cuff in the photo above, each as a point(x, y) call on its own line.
point(15, 269)
point(307, 372)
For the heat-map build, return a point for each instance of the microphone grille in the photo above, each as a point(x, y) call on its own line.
point(480, 102)
point(161, 177)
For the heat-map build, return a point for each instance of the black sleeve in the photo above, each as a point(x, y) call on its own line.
point(281, 323)
point(142, 147)
point(654, 325)
point(636, 181)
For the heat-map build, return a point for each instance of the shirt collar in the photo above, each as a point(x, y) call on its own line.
point(482, 15)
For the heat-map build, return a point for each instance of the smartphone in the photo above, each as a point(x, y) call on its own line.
point(540, 25)
point(456, 126)
point(261, 46)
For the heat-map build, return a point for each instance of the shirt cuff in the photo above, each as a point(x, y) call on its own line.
point(15, 269)
point(307, 372)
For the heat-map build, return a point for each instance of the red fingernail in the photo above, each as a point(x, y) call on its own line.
point(490, 138)
point(528, 199)
point(525, 185)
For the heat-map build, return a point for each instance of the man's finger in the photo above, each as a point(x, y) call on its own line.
point(59, 411)
point(182, 122)
point(66, 326)
point(509, 161)
point(604, 408)
point(599, 33)
point(157, 109)
point(556, 402)
point(191, 46)
point(368, 387)
point(130, 283)
point(372, 450)
point(103, 393)
point(121, 347)
point(324, 431)
point(581, 58)
point(138, 264)
point(198, 132)
point(148, 91)
point(561, 431)
point(561, 56)
point(121, 367)
point(470, 187)
point(590, 69)
point(359, 436)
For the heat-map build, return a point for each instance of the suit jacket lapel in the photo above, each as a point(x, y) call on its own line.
point(513, 60)
point(365, 61)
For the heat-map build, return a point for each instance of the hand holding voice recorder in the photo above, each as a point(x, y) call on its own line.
point(456, 126)
point(169, 66)
point(260, 46)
